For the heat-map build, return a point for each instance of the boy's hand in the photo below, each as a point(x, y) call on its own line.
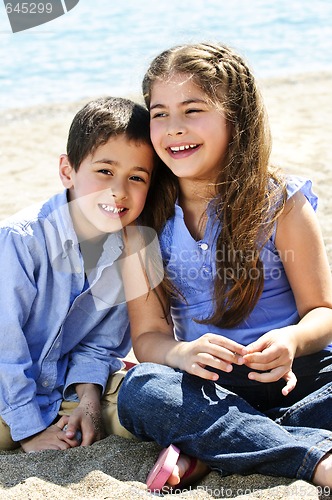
point(52, 438)
point(86, 418)
point(273, 354)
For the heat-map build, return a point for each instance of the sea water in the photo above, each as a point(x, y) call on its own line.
point(104, 46)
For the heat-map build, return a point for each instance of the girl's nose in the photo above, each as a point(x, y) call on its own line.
point(175, 127)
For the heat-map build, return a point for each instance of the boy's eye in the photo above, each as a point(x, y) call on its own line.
point(105, 171)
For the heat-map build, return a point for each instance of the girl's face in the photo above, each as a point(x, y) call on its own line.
point(189, 134)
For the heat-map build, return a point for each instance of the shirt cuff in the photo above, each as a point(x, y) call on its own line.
point(90, 374)
point(24, 421)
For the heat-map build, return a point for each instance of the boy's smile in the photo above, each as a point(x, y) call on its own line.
point(110, 187)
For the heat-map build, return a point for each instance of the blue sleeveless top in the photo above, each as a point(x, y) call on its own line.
point(191, 268)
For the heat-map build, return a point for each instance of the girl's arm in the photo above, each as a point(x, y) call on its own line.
point(301, 248)
point(308, 273)
point(300, 244)
point(153, 339)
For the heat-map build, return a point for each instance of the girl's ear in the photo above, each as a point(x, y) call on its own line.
point(65, 171)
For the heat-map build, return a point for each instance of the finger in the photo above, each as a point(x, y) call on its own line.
point(291, 382)
point(89, 434)
point(205, 359)
point(257, 346)
point(224, 342)
point(268, 355)
point(63, 445)
point(217, 355)
point(62, 421)
point(263, 366)
point(271, 376)
point(200, 371)
point(72, 432)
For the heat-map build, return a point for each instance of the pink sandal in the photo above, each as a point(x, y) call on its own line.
point(164, 467)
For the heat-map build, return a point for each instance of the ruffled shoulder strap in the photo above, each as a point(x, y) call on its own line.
point(296, 184)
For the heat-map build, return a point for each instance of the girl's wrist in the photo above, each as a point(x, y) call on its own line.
point(293, 340)
point(173, 356)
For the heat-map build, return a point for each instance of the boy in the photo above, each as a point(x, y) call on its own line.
point(64, 323)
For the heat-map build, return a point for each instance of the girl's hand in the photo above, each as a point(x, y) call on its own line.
point(273, 354)
point(210, 350)
point(291, 382)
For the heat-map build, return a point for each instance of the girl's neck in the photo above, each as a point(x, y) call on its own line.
point(194, 204)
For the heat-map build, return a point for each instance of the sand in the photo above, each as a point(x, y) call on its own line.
point(300, 110)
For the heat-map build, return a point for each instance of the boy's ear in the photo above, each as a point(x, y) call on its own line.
point(65, 171)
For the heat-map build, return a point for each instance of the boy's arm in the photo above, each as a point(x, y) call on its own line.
point(18, 405)
point(100, 352)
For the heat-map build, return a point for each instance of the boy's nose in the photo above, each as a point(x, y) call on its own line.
point(119, 195)
point(118, 191)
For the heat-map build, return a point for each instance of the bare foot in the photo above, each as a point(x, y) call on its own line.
point(182, 467)
point(323, 473)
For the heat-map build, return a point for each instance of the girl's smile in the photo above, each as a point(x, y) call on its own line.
point(183, 151)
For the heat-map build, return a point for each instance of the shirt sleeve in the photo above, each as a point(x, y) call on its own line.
point(18, 405)
point(98, 354)
point(296, 184)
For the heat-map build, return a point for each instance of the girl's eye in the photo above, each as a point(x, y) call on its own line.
point(190, 111)
point(158, 115)
point(136, 178)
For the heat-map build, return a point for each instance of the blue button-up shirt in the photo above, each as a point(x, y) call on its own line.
point(57, 329)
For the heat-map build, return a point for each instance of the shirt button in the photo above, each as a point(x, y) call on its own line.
point(207, 269)
point(204, 246)
point(45, 383)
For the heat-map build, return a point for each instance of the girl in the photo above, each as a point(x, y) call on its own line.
point(240, 372)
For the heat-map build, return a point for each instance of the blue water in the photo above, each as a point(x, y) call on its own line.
point(104, 46)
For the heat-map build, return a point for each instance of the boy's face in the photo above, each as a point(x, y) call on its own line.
point(110, 187)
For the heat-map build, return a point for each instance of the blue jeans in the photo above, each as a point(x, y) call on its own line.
point(241, 426)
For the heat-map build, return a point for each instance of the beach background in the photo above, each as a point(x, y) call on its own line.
point(103, 48)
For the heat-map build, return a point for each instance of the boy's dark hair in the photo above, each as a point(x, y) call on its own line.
point(101, 119)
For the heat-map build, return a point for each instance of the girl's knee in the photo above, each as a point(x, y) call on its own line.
point(145, 385)
point(147, 373)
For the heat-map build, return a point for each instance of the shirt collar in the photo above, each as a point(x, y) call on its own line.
point(59, 219)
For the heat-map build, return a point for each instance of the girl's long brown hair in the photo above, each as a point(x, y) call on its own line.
point(250, 195)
